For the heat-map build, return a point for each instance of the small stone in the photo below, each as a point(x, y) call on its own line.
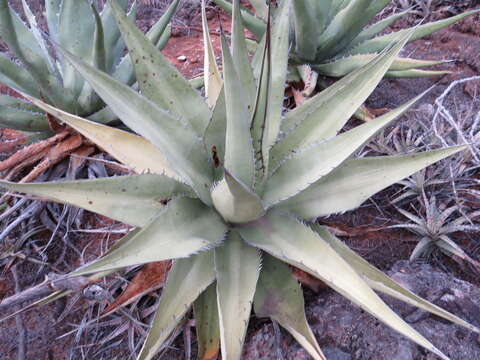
point(182, 58)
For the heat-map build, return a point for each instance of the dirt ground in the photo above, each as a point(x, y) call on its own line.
point(41, 331)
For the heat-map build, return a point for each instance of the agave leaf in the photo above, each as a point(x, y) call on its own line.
point(375, 29)
point(237, 266)
point(132, 199)
point(99, 55)
point(336, 6)
point(35, 29)
point(416, 219)
point(114, 45)
point(159, 80)
point(311, 18)
point(20, 39)
point(239, 157)
point(176, 140)
point(415, 73)
point(449, 247)
point(128, 148)
point(344, 66)
point(377, 6)
point(213, 79)
point(23, 44)
point(262, 69)
point(76, 22)
point(261, 8)
point(235, 201)
point(423, 246)
point(325, 114)
point(103, 116)
point(214, 138)
point(185, 227)
point(280, 297)
point(343, 28)
point(311, 253)
point(254, 24)
point(158, 35)
point(207, 324)
point(23, 120)
point(380, 42)
point(240, 55)
point(279, 52)
point(52, 15)
point(88, 99)
point(356, 180)
point(187, 279)
point(16, 77)
point(306, 167)
point(381, 282)
point(17, 103)
point(267, 115)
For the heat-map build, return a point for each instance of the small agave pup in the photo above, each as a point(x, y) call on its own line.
point(243, 179)
point(434, 229)
point(333, 36)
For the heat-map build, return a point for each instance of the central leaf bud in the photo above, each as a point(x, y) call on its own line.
point(236, 202)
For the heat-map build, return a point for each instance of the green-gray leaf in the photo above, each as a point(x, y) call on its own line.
point(132, 199)
point(187, 279)
point(237, 266)
point(185, 227)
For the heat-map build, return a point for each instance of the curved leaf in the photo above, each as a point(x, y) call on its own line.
point(237, 266)
point(185, 227)
point(344, 66)
point(132, 199)
point(128, 148)
point(207, 324)
point(235, 201)
point(176, 140)
point(254, 24)
point(239, 157)
point(187, 279)
point(23, 120)
point(280, 297)
point(311, 253)
point(380, 42)
point(213, 79)
point(305, 166)
point(325, 114)
point(356, 180)
point(381, 282)
point(159, 80)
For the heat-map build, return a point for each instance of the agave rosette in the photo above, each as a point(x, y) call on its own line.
point(335, 37)
point(39, 71)
point(243, 179)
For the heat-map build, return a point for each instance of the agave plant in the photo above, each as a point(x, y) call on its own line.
point(435, 227)
point(332, 36)
point(240, 180)
point(39, 71)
